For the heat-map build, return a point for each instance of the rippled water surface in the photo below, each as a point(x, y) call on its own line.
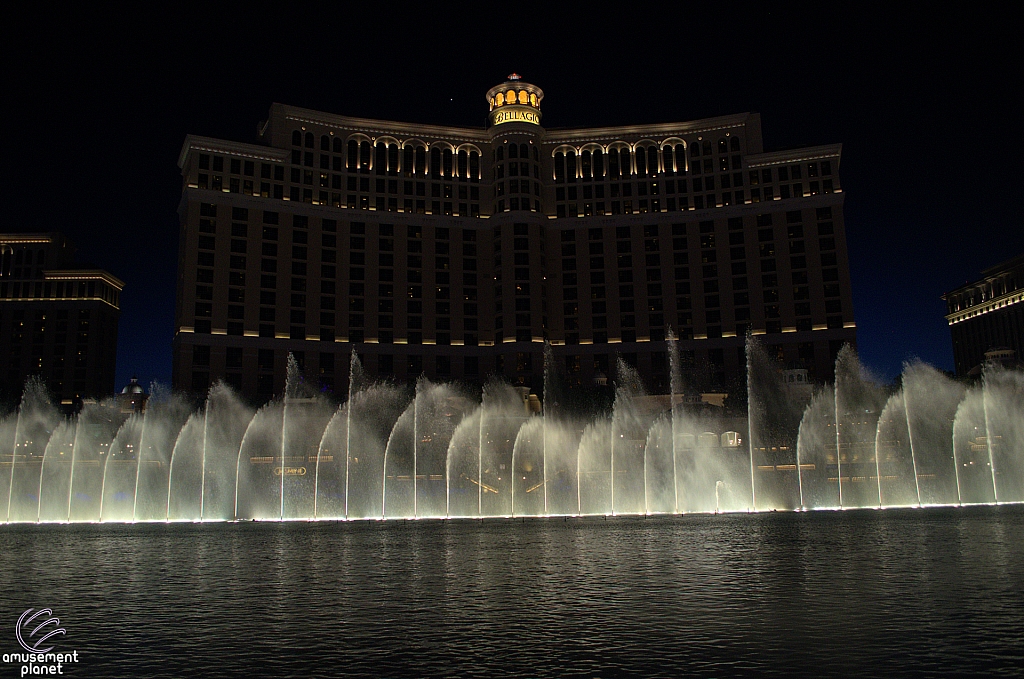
point(856, 593)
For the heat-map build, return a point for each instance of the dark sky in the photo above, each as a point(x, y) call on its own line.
point(97, 107)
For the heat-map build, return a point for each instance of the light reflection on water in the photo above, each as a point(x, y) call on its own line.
point(857, 593)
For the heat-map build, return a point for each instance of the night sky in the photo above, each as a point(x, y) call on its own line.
point(97, 107)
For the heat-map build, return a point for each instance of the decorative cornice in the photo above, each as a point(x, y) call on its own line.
point(994, 304)
point(381, 127)
point(794, 155)
point(610, 134)
point(83, 275)
point(230, 148)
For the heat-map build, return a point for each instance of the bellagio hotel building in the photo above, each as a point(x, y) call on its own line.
point(459, 252)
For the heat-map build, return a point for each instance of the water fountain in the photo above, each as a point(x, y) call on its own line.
point(444, 452)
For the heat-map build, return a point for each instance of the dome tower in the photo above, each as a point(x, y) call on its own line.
point(514, 101)
point(514, 125)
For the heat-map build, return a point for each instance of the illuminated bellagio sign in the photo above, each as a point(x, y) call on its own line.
point(512, 115)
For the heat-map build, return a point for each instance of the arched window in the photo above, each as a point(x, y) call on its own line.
point(641, 162)
point(463, 166)
point(524, 151)
point(474, 166)
point(421, 161)
point(723, 147)
point(570, 166)
point(559, 167)
point(6, 260)
point(680, 159)
point(598, 164)
point(365, 152)
point(353, 155)
point(392, 159)
point(446, 160)
point(407, 160)
point(309, 139)
point(296, 138)
point(624, 163)
point(585, 165)
point(435, 162)
point(667, 159)
point(695, 149)
point(325, 143)
point(536, 154)
point(707, 148)
point(380, 161)
point(613, 164)
point(513, 151)
point(734, 143)
point(499, 154)
point(337, 145)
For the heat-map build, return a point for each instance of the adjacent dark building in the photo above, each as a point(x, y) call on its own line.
point(986, 317)
point(58, 319)
point(457, 252)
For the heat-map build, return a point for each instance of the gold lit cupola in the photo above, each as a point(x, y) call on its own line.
point(514, 101)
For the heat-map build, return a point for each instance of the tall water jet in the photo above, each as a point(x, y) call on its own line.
point(817, 456)
point(594, 468)
point(97, 424)
point(660, 495)
point(415, 458)
point(398, 488)
point(1004, 420)
point(971, 450)
point(480, 468)
point(774, 410)
point(259, 466)
point(8, 427)
point(350, 464)
point(632, 415)
point(120, 472)
point(36, 420)
point(894, 457)
point(675, 397)
point(165, 415)
point(225, 421)
point(528, 469)
point(931, 401)
point(549, 409)
point(859, 402)
point(204, 457)
point(185, 474)
point(55, 476)
point(462, 471)
point(561, 437)
point(304, 420)
point(714, 469)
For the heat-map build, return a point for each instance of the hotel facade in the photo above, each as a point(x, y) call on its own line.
point(58, 320)
point(458, 253)
point(986, 317)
